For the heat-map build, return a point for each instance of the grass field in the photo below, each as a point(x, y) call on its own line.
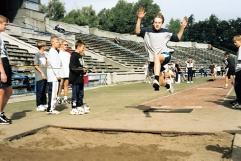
point(114, 97)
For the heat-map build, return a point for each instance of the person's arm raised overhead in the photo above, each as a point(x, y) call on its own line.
point(140, 15)
point(183, 25)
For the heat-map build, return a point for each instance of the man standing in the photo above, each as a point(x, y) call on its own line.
point(5, 76)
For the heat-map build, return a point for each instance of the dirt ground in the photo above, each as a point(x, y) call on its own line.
point(54, 144)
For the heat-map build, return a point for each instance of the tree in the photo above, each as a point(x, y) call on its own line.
point(122, 17)
point(105, 19)
point(55, 10)
point(174, 25)
point(85, 16)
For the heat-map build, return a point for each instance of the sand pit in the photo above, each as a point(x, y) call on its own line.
point(52, 144)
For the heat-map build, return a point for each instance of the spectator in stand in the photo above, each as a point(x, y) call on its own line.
point(237, 82)
point(230, 68)
point(77, 71)
point(190, 65)
point(64, 82)
point(53, 74)
point(40, 64)
point(59, 28)
point(5, 75)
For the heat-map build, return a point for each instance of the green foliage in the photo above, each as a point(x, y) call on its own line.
point(55, 10)
point(174, 25)
point(122, 17)
point(85, 16)
point(218, 33)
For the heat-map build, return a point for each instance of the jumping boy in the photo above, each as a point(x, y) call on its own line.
point(155, 40)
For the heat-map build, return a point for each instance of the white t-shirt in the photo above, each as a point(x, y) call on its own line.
point(54, 65)
point(3, 50)
point(65, 58)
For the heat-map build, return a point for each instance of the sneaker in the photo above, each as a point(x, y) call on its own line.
point(41, 108)
point(4, 120)
point(59, 100)
point(65, 101)
point(74, 111)
point(236, 106)
point(81, 110)
point(53, 112)
point(191, 81)
point(86, 108)
point(188, 82)
point(156, 85)
point(171, 89)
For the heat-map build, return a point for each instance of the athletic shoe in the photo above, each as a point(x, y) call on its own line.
point(191, 81)
point(53, 112)
point(86, 108)
point(188, 82)
point(74, 111)
point(65, 101)
point(156, 85)
point(59, 100)
point(81, 110)
point(236, 106)
point(4, 120)
point(41, 108)
point(171, 89)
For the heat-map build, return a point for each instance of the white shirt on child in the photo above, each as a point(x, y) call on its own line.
point(54, 65)
point(65, 58)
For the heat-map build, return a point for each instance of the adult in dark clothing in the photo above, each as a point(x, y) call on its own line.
point(77, 71)
point(237, 81)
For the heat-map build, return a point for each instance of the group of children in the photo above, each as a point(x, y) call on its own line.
point(56, 69)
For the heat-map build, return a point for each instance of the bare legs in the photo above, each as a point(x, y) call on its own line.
point(5, 94)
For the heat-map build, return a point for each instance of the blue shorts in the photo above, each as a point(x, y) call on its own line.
point(167, 57)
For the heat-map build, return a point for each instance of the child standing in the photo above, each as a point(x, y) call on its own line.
point(5, 75)
point(76, 74)
point(40, 64)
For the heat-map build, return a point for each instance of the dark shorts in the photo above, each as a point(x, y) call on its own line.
point(8, 71)
point(167, 56)
point(230, 72)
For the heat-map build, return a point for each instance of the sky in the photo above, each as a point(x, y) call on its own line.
point(177, 9)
